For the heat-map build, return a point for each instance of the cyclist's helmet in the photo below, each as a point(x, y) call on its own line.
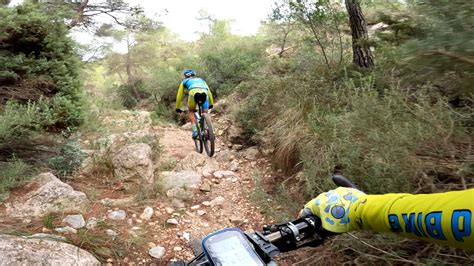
point(189, 73)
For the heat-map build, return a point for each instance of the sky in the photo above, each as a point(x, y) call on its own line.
point(181, 16)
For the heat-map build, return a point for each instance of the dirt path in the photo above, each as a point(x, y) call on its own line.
point(197, 219)
point(223, 200)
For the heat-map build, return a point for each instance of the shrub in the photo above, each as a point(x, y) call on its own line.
point(69, 159)
point(12, 174)
point(38, 64)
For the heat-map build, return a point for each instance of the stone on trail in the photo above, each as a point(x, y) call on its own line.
point(157, 252)
point(218, 201)
point(111, 233)
point(91, 223)
point(47, 194)
point(169, 210)
point(179, 193)
point(195, 207)
point(172, 221)
point(207, 203)
point(66, 230)
point(234, 165)
point(251, 153)
point(205, 186)
point(147, 213)
point(134, 161)
point(15, 250)
point(75, 221)
point(200, 212)
point(184, 179)
point(224, 174)
point(177, 203)
point(117, 215)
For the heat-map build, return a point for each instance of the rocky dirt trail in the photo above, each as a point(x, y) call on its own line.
point(193, 195)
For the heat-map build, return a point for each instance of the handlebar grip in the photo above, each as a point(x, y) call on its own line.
point(342, 181)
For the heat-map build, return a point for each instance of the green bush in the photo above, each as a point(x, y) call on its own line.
point(12, 173)
point(18, 121)
point(69, 159)
point(38, 64)
point(132, 94)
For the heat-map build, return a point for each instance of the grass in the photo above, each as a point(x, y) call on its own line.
point(14, 173)
point(277, 206)
point(49, 221)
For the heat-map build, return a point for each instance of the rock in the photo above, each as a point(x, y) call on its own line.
point(207, 203)
point(16, 250)
point(134, 161)
point(151, 245)
point(117, 202)
point(157, 252)
point(75, 221)
point(224, 174)
point(195, 207)
point(200, 212)
point(205, 186)
point(117, 215)
point(66, 230)
point(179, 193)
point(236, 220)
point(224, 156)
point(177, 203)
point(186, 236)
point(47, 237)
point(172, 221)
point(47, 194)
point(177, 249)
point(111, 233)
point(251, 153)
point(192, 162)
point(147, 213)
point(169, 210)
point(210, 166)
point(234, 165)
point(218, 201)
point(91, 223)
point(184, 179)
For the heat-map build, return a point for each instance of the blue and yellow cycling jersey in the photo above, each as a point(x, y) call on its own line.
point(443, 218)
point(190, 84)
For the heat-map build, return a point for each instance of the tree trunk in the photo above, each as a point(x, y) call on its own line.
point(362, 56)
point(128, 65)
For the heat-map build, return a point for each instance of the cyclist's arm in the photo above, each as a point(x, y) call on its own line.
point(211, 98)
point(179, 96)
point(443, 218)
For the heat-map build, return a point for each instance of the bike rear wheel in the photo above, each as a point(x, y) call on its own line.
point(208, 137)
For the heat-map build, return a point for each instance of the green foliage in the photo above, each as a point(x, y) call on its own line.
point(37, 63)
point(132, 94)
point(18, 121)
point(445, 50)
point(12, 173)
point(69, 159)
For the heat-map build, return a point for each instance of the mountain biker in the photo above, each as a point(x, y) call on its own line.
point(443, 218)
point(197, 89)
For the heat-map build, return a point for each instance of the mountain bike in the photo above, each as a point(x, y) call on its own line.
point(231, 246)
point(205, 136)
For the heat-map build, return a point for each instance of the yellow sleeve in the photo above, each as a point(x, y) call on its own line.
point(179, 96)
point(443, 218)
point(211, 98)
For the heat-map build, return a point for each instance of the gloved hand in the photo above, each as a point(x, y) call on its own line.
point(332, 208)
point(179, 111)
point(211, 106)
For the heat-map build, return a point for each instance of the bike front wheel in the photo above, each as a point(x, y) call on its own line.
point(208, 137)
